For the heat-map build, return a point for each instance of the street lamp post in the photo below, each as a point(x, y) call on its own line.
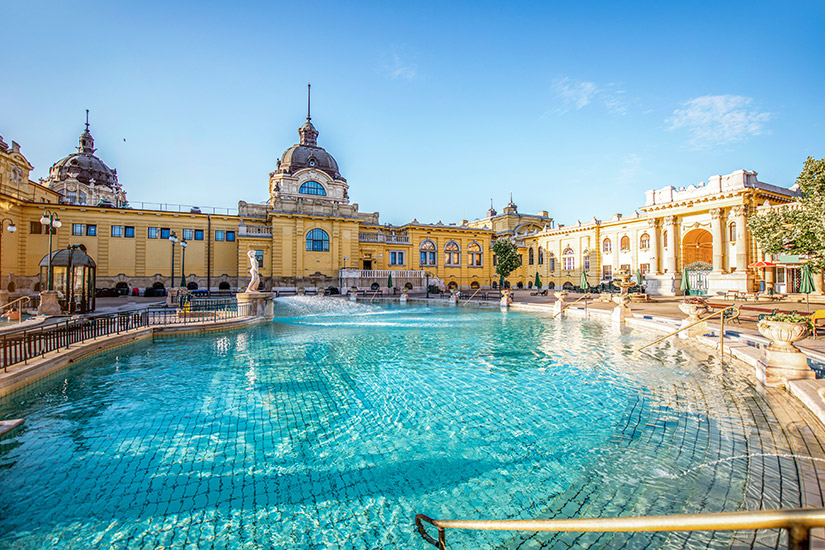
point(173, 238)
point(183, 264)
point(11, 228)
point(50, 220)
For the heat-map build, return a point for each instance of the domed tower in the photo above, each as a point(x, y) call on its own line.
point(307, 175)
point(82, 178)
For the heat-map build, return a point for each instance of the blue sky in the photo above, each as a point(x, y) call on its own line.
point(430, 109)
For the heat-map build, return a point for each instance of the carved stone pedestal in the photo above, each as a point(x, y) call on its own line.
point(48, 303)
point(621, 312)
point(558, 306)
point(506, 298)
point(404, 295)
point(782, 361)
point(261, 304)
point(453, 299)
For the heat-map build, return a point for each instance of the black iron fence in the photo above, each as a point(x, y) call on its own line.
point(21, 345)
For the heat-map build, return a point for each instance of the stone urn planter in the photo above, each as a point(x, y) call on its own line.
point(558, 306)
point(300, 291)
point(782, 361)
point(453, 300)
point(560, 295)
point(405, 294)
point(693, 310)
point(782, 334)
point(353, 294)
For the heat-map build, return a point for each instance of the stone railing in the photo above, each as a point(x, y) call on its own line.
point(383, 238)
point(254, 231)
point(382, 273)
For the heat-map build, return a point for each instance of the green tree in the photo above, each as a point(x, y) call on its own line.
point(799, 229)
point(507, 259)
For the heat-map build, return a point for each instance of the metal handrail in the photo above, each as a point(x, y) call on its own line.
point(473, 296)
point(798, 522)
point(585, 297)
point(27, 298)
point(700, 321)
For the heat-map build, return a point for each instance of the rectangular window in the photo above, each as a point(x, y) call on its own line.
point(198, 234)
point(218, 235)
point(188, 235)
point(91, 230)
point(396, 257)
point(36, 228)
point(164, 233)
point(259, 255)
point(129, 231)
point(495, 260)
point(587, 262)
point(230, 236)
point(153, 232)
point(645, 268)
point(625, 267)
point(423, 258)
point(117, 231)
point(77, 229)
point(552, 264)
point(607, 272)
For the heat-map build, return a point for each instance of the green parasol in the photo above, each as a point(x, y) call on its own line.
point(583, 283)
point(806, 286)
point(685, 283)
point(389, 281)
point(639, 279)
point(538, 281)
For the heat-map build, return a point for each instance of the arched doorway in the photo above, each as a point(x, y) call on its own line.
point(697, 246)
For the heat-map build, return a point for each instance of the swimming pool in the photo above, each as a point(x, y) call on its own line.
point(334, 425)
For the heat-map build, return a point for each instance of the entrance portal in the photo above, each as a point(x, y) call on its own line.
point(697, 246)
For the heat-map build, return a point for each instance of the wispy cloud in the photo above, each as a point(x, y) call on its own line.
point(719, 119)
point(578, 94)
point(397, 68)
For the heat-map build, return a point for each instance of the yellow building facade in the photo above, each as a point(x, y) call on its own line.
point(310, 235)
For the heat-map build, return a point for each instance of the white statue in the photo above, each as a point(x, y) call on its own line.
point(253, 271)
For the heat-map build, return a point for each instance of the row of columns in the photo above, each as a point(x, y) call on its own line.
point(668, 225)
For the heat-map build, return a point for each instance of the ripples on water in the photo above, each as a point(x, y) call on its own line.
point(334, 425)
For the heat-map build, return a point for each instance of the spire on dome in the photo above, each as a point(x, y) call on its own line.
point(492, 211)
point(87, 142)
point(308, 133)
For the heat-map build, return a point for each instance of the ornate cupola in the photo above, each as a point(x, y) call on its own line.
point(82, 178)
point(511, 207)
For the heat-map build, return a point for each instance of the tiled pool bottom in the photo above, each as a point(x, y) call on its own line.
point(334, 426)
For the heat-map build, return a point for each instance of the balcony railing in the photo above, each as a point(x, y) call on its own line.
point(254, 231)
point(381, 274)
point(383, 238)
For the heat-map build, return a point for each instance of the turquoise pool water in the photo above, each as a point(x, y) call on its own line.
point(334, 425)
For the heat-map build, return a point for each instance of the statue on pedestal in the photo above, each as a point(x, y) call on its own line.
point(253, 272)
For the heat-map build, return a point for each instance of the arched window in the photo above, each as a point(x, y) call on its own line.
point(530, 260)
point(317, 241)
point(624, 243)
point(552, 261)
point(607, 246)
point(428, 253)
point(541, 256)
point(452, 254)
point(312, 188)
point(474, 253)
point(223, 285)
point(568, 258)
point(732, 232)
point(644, 241)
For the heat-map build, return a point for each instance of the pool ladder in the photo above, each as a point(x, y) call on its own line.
point(797, 521)
point(20, 301)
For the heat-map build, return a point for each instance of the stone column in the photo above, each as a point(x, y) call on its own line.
point(653, 225)
point(769, 274)
point(716, 232)
point(670, 254)
point(740, 213)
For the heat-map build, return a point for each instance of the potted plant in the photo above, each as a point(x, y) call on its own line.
point(783, 329)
